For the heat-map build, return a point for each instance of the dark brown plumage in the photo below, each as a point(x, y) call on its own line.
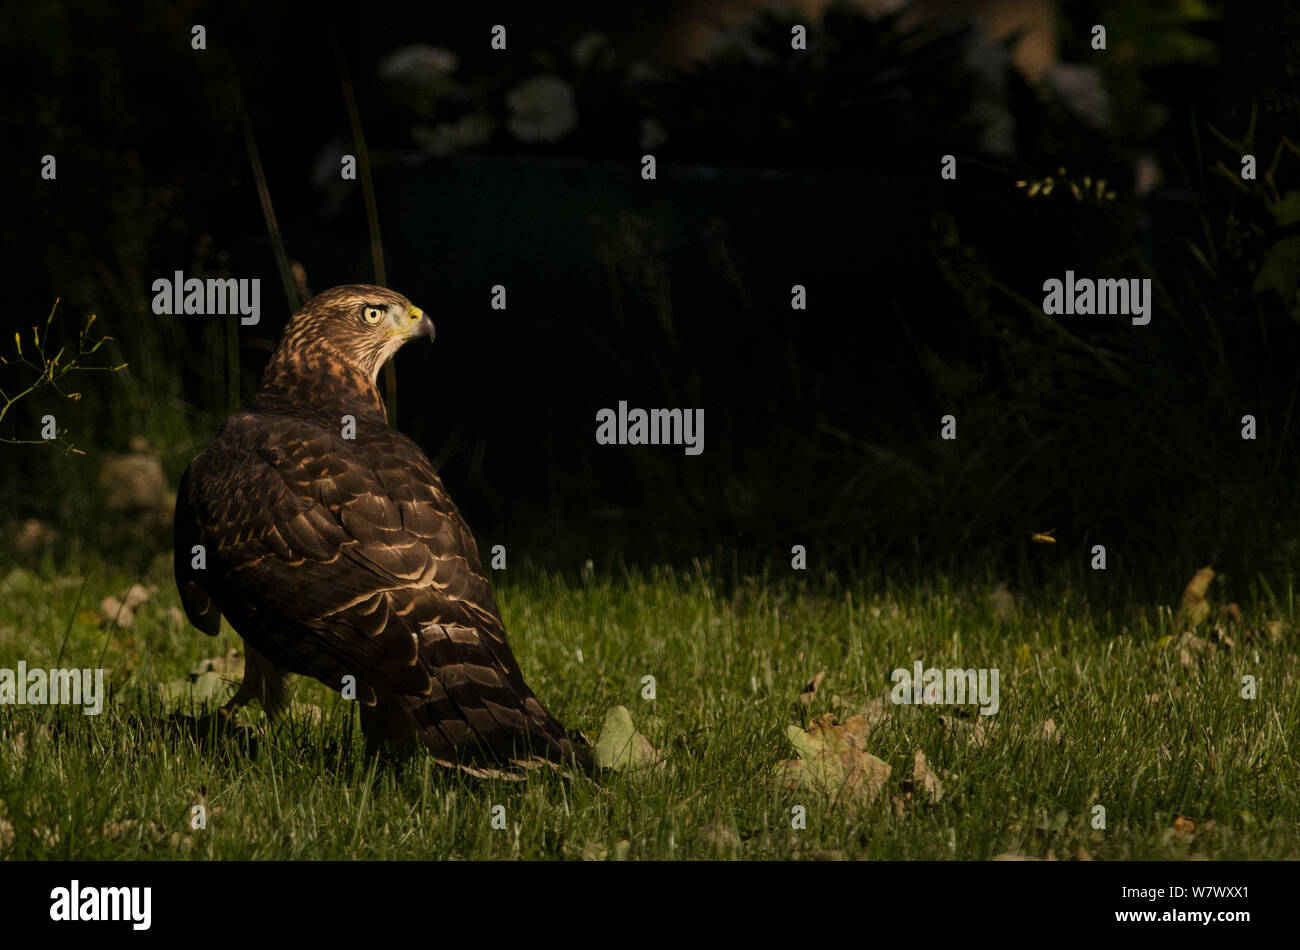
point(336, 557)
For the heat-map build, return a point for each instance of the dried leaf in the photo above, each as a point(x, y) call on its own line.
point(833, 759)
point(620, 747)
point(1194, 607)
point(973, 733)
point(924, 777)
point(724, 838)
point(1192, 648)
point(593, 851)
point(898, 805)
point(876, 711)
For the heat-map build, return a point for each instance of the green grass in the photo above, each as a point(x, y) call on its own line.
point(730, 660)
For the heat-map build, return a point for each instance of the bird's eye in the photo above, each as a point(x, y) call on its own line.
point(373, 315)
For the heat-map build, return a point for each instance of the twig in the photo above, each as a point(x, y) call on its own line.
point(372, 209)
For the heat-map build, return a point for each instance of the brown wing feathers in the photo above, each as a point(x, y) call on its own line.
point(354, 583)
point(335, 557)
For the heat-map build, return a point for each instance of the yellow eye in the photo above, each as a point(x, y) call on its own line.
point(373, 315)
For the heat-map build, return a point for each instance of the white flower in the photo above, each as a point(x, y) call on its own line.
point(542, 109)
point(1080, 88)
point(420, 64)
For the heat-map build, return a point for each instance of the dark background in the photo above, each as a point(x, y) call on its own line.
point(775, 167)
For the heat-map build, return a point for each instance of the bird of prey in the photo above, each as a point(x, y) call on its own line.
point(327, 541)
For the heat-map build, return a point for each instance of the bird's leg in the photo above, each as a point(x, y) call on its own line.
point(263, 681)
point(387, 725)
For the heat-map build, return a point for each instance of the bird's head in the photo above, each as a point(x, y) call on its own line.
point(362, 323)
point(333, 348)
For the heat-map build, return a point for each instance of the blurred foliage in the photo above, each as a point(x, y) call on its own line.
point(1142, 38)
point(1278, 267)
point(776, 167)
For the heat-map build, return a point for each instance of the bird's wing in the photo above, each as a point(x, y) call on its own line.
point(339, 557)
point(188, 561)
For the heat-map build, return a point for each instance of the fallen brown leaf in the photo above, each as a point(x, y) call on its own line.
point(1192, 649)
point(1193, 608)
point(923, 777)
point(898, 804)
point(833, 759)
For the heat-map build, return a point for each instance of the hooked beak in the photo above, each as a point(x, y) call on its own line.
point(420, 324)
